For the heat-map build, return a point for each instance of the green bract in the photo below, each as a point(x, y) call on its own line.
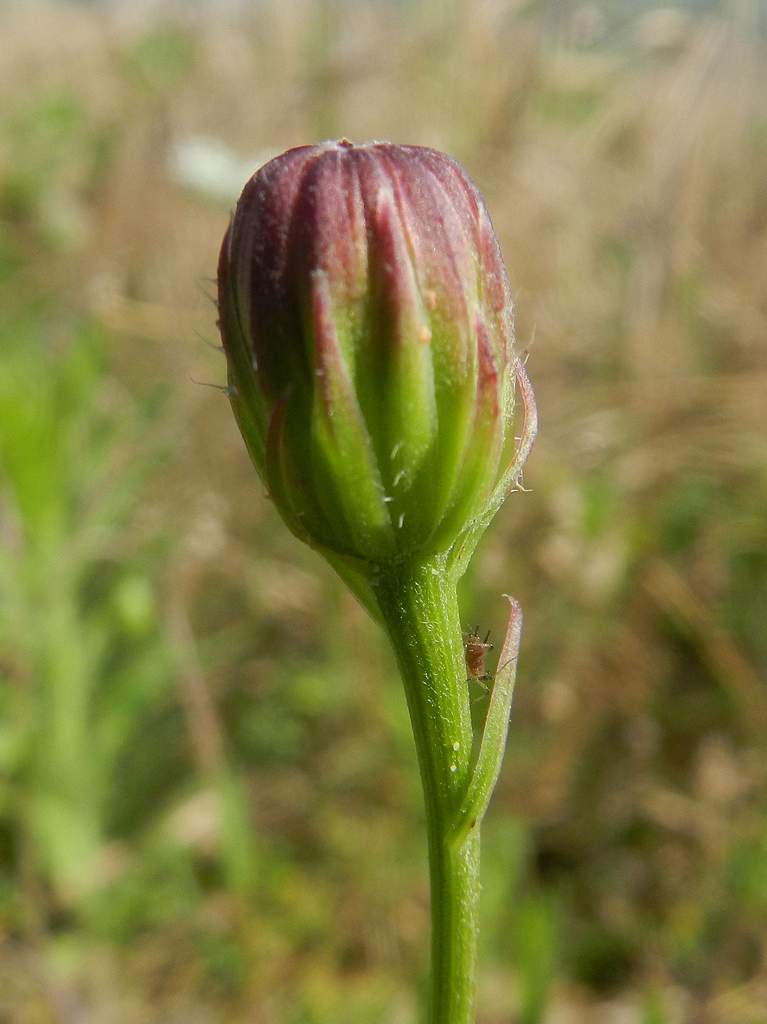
point(366, 316)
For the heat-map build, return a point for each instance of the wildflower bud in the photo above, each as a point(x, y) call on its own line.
point(366, 316)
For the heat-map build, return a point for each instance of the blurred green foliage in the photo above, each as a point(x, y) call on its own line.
point(209, 806)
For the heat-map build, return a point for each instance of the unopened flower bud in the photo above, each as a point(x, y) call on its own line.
point(366, 316)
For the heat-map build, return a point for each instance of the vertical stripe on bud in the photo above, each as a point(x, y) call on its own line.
point(344, 463)
point(408, 418)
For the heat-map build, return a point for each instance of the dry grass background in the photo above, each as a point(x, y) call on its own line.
point(208, 800)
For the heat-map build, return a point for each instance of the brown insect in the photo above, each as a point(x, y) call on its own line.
point(475, 650)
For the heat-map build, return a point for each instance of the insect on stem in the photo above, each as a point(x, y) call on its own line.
point(475, 651)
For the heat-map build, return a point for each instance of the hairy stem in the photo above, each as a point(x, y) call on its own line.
point(420, 611)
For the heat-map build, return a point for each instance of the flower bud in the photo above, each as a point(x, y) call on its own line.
point(366, 317)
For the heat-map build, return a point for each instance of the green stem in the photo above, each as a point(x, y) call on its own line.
point(420, 611)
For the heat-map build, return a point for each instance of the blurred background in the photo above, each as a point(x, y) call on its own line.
point(210, 810)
